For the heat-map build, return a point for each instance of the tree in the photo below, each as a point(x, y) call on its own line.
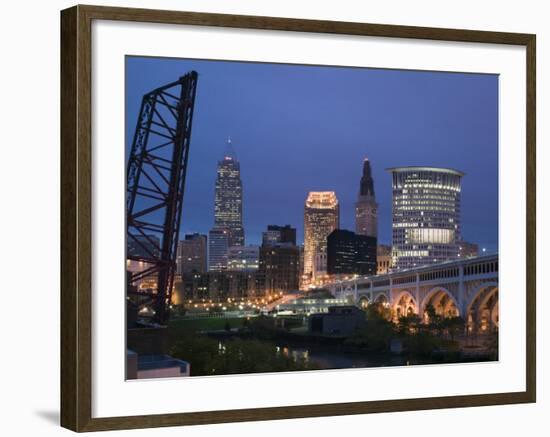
point(454, 326)
point(378, 332)
point(408, 324)
point(377, 311)
point(435, 321)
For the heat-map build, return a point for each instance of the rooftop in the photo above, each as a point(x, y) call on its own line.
point(434, 169)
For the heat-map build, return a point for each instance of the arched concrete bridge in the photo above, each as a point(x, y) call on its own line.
point(467, 288)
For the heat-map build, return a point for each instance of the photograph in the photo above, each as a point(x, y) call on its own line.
point(293, 217)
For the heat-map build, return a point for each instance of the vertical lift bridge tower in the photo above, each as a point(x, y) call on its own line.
point(155, 186)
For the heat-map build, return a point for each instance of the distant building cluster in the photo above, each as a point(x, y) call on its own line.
point(229, 268)
point(426, 229)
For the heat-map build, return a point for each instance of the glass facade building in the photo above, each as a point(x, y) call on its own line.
point(218, 245)
point(350, 253)
point(425, 215)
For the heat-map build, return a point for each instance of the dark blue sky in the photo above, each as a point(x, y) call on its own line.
point(302, 128)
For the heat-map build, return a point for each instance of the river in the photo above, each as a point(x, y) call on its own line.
point(332, 357)
point(327, 357)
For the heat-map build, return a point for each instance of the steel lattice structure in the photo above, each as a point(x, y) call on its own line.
point(155, 186)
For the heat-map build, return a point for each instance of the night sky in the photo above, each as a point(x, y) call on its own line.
point(297, 129)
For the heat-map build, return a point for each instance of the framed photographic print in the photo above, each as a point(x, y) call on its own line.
point(268, 218)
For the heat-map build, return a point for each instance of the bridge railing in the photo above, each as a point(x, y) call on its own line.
point(479, 266)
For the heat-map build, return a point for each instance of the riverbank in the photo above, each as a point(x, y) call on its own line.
point(219, 345)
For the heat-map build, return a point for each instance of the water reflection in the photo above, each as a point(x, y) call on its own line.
point(326, 357)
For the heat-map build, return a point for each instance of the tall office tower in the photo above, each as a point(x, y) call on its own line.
point(218, 245)
point(349, 253)
point(191, 254)
point(228, 202)
point(366, 208)
point(301, 269)
point(321, 217)
point(425, 215)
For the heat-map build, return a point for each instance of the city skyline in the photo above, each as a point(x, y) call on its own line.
point(263, 192)
point(305, 148)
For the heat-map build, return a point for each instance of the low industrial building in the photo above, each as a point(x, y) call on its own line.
point(155, 366)
point(340, 320)
point(309, 305)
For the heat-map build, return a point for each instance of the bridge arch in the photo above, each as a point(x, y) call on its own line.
point(442, 300)
point(363, 301)
point(382, 299)
point(482, 308)
point(404, 304)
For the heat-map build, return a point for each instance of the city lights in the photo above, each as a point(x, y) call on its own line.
point(286, 259)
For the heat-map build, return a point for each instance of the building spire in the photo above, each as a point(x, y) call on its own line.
point(229, 152)
point(366, 215)
point(367, 183)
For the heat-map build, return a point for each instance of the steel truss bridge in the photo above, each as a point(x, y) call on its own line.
point(467, 288)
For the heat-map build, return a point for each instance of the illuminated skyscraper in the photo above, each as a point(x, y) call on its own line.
point(228, 202)
point(366, 208)
point(426, 215)
point(321, 217)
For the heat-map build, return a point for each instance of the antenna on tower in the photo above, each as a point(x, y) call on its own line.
point(229, 150)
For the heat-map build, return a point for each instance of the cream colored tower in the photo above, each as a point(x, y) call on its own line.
point(321, 217)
